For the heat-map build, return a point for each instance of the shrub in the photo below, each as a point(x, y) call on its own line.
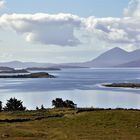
point(59, 103)
point(42, 107)
point(37, 108)
point(14, 105)
point(70, 104)
point(0, 105)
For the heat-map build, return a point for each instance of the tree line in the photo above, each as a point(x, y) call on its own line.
point(14, 104)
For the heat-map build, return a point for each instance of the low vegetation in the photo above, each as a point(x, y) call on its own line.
point(63, 123)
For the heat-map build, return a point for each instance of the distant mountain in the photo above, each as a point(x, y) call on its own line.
point(113, 57)
point(34, 65)
point(19, 64)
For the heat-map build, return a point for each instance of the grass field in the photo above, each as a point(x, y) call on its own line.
point(68, 124)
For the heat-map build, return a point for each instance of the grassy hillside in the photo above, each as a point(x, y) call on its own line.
point(68, 124)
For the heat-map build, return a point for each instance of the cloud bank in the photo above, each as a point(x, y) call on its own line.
point(60, 29)
point(133, 8)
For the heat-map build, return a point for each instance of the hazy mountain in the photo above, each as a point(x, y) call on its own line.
point(110, 58)
point(113, 57)
point(18, 64)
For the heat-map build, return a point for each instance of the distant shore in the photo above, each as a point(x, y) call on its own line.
point(123, 85)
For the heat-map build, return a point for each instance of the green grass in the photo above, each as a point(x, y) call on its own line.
point(67, 124)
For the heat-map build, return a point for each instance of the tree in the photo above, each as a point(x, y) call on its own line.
point(42, 107)
point(70, 104)
point(59, 103)
point(0, 105)
point(14, 105)
point(37, 108)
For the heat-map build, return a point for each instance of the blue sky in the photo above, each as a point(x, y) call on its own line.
point(84, 29)
point(98, 8)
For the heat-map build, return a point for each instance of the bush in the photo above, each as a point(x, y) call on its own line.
point(37, 108)
point(70, 104)
point(14, 105)
point(42, 107)
point(0, 105)
point(59, 103)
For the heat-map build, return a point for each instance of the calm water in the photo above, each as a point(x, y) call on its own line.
point(83, 86)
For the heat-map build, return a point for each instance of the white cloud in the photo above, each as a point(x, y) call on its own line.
point(44, 28)
point(2, 3)
point(133, 8)
point(71, 30)
point(119, 31)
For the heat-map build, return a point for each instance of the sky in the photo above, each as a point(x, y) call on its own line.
point(66, 30)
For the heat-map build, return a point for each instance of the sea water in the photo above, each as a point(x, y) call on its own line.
point(83, 86)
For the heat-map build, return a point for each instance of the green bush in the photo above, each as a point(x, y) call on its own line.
point(0, 105)
point(14, 105)
point(59, 103)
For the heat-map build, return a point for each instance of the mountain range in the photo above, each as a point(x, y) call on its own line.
point(115, 57)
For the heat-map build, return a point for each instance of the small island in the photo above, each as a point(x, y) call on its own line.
point(123, 85)
point(31, 75)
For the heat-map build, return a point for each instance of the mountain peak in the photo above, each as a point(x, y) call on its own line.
point(114, 52)
point(117, 49)
point(114, 56)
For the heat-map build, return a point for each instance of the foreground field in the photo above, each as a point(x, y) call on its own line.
point(68, 124)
